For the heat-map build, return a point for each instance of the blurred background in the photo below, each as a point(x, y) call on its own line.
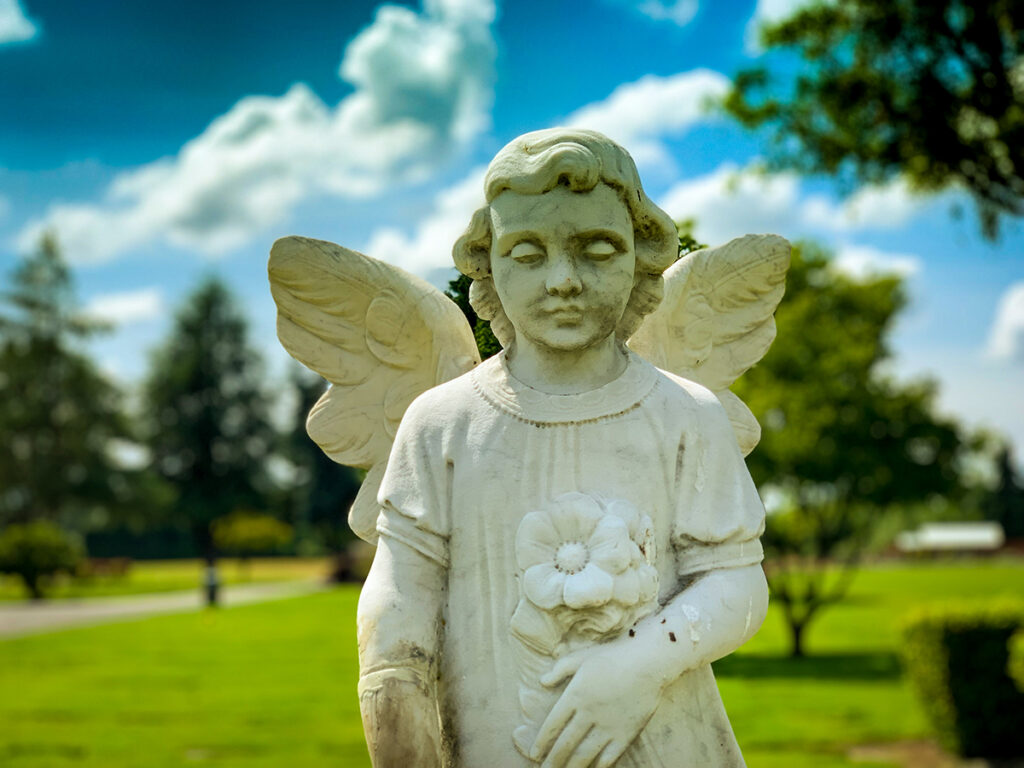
point(177, 580)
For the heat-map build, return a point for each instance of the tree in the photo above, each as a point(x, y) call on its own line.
point(36, 551)
point(324, 489)
point(842, 444)
point(209, 429)
point(245, 534)
point(486, 342)
point(59, 417)
point(1005, 503)
point(931, 90)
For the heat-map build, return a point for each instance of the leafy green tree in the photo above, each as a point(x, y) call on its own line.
point(932, 90)
point(842, 444)
point(59, 417)
point(37, 551)
point(486, 342)
point(245, 534)
point(209, 429)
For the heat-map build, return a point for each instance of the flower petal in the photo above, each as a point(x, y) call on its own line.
point(575, 515)
point(610, 547)
point(543, 585)
point(590, 587)
point(627, 587)
point(536, 540)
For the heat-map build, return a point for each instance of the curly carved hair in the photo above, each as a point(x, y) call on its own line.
point(539, 161)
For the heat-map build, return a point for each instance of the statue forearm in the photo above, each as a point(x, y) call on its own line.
point(400, 719)
point(399, 641)
point(709, 619)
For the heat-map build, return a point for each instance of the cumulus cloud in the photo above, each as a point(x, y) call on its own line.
point(423, 87)
point(429, 247)
point(638, 114)
point(863, 261)
point(1006, 337)
point(127, 306)
point(15, 26)
point(641, 114)
point(882, 206)
point(732, 201)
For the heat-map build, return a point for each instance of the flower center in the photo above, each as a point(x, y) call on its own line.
point(571, 557)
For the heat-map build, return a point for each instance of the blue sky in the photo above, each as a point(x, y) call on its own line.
point(164, 141)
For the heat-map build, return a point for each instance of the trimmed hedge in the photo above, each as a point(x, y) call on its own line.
point(958, 659)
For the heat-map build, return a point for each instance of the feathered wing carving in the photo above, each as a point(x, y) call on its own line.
point(381, 337)
point(717, 319)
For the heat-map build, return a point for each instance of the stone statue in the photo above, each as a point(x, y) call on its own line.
point(566, 534)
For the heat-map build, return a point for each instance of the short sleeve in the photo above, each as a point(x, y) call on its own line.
point(719, 515)
point(414, 492)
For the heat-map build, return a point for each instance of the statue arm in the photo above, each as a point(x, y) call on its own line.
point(718, 612)
point(399, 625)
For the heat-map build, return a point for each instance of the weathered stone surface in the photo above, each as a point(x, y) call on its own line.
point(568, 535)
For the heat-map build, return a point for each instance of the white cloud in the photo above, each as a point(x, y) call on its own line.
point(883, 206)
point(680, 12)
point(423, 88)
point(640, 114)
point(15, 26)
point(430, 246)
point(128, 306)
point(1006, 338)
point(863, 261)
point(732, 201)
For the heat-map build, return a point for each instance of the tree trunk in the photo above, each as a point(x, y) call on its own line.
point(32, 584)
point(796, 629)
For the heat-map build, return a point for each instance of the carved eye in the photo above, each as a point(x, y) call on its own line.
point(600, 250)
point(526, 253)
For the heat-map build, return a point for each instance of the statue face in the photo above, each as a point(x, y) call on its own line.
point(563, 264)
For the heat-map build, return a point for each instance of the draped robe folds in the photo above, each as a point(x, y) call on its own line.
point(473, 456)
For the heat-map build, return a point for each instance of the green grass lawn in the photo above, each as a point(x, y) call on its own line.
point(145, 576)
point(274, 684)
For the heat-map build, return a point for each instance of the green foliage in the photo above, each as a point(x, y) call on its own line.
point(59, 416)
point(687, 241)
point(957, 658)
point(1005, 504)
point(36, 551)
point(486, 342)
point(932, 90)
point(246, 534)
point(208, 424)
point(841, 443)
point(324, 489)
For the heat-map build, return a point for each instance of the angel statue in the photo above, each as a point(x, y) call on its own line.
point(567, 534)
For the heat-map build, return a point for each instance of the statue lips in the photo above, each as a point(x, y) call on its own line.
point(566, 314)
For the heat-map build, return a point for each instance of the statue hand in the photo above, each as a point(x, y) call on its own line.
point(608, 702)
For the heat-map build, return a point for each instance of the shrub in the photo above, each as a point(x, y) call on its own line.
point(958, 659)
point(36, 551)
point(245, 534)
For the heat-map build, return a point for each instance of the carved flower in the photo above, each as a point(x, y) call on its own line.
point(582, 554)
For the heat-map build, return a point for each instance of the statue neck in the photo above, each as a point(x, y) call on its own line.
point(566, 372)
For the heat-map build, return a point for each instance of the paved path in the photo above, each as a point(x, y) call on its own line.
point(28, 618)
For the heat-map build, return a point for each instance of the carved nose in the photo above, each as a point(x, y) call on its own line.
point(563, 279)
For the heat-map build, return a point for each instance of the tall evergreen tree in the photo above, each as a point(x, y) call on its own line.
point(59, 417)
point(209, 428)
